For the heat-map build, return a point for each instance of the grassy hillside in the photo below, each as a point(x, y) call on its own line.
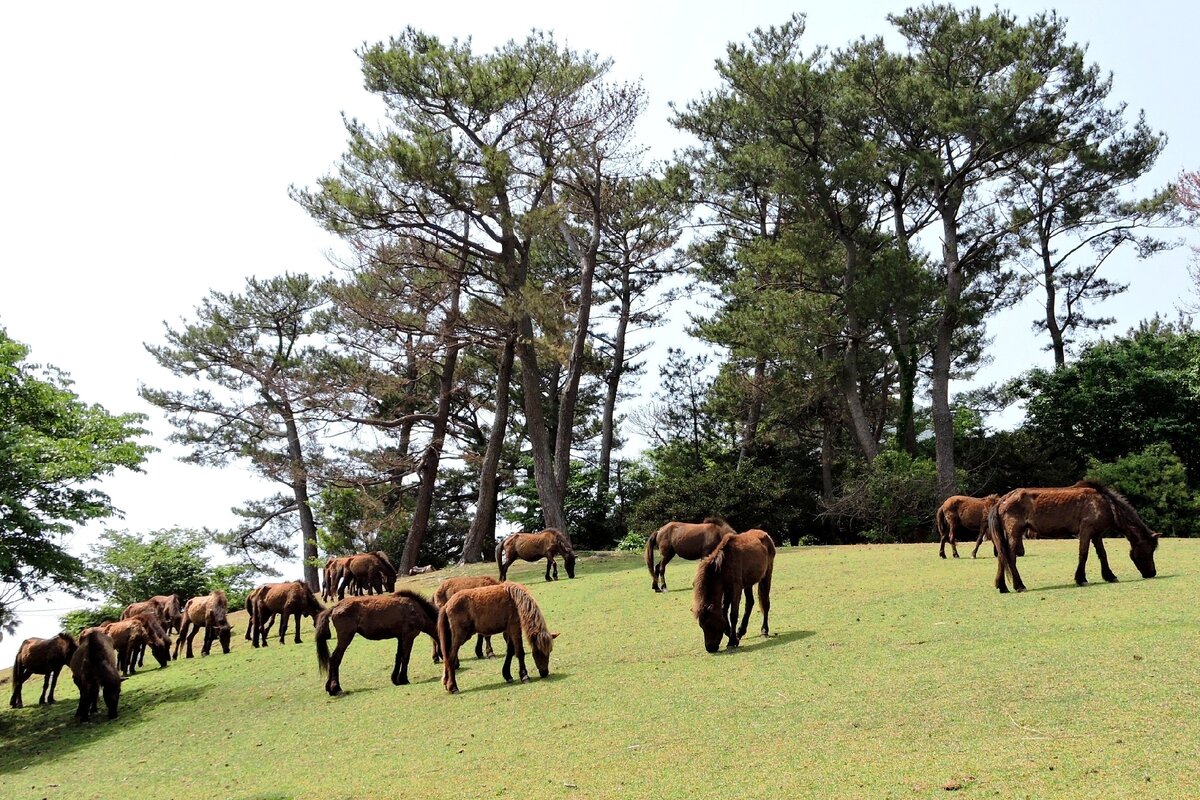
point(892, 674)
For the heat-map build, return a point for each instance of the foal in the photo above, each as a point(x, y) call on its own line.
point(401, 616)
point(447, 589)
point(739, 562)
point(208, 612)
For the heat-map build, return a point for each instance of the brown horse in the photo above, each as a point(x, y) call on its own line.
point(134, 634)
point(963, 515)
point(401, 616)
point(42, 657)
point(1087, 510)
point(367, 573)
point(209, 612)
point(167, 610)
point(505, 608)
point(335, 567)
point(684, 539)
point(533, 547)
point(730, 570)
point(286, 599)
point(94, 668)
point(447, 589)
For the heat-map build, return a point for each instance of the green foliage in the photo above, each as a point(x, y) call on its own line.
point(75, 621)
point(53, 447)
point(632, 542)
point(589, 523)
point(127, 567)
point(1120, 397)
point(1156, 483)
point(891, 499)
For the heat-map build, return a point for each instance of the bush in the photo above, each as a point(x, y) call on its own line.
point(892, 499)
point(1156, 483)
point(633, 542)
point(75, 621)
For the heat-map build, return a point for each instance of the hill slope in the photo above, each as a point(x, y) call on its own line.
point(893, 674)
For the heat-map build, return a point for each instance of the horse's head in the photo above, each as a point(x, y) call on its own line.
point(1142, 554)
point(541, 645)
point(161, 648)
point(224, 631)
point(569, 563)
point(712, 624)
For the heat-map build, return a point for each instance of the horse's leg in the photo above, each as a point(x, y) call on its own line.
point(403, 651)
point(749, 593)
point(284, 616)
point(479, 646)
point(1080, 571)
point(179, 641)
point(191, 636)
point(519, 641)
point(764, 601)
point(1102, 554)
point(297, 639)
point(668, 553)
point(487, 647)
point(731, 608)
point(979, 539)
point(265, 630)
point(45, 688)
point(954, 536)
point(510, 649)
point(210, 635)
point(333, 683)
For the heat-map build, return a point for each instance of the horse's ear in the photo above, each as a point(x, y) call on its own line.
point(554, 635)
point(1155, 534)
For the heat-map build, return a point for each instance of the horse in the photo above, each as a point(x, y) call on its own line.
point(687, 540)
point(367, 573)
point(286, 599)
point(504, 608)
point(43, 657)
point(94, 668)
point(1087, 510)
point(134, 634)
point(402, 616)
point(533, 547)
point(961, 514)
point(447, 589)
point(211, 613)
point(731, 569)
point(166, 608)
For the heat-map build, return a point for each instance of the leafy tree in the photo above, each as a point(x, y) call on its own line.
point(256, 349)
point(890, 499)
point(53, 448)
point(1156, 483)
point(1120, 397)
point(128, 568)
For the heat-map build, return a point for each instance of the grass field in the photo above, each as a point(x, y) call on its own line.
point(892, 674)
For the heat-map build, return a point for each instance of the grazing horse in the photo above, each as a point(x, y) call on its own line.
point(209, 612)
point(402, 616)
point(132, 635)
point(335, 566)
point(1087, 510)
point(505, 608)
point(447, 589)
point(367, 573)
point(684, 539)
point(287, 599)
point(165, 607)
point(963, 515)
point(533, 547)
point(94, 668)
point(43, 657)
point(730, 570)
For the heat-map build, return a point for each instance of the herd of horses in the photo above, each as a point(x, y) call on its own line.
point(731, 565)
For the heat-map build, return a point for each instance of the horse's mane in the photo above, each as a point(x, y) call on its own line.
point(69, 639)
point(562, 540)
point(219, 596)
point(424, 604)
point(719, 521)
point(532, 621)
point(1124, 513)
point(709, 567)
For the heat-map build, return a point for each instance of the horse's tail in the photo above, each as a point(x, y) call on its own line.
point(17, 678)
point(500, 557)
point(651, 545)
point(1004, 550)
point(532, 621)
point(941, 525)
point(323, 636)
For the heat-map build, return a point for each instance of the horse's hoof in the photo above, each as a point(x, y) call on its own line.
point(524, 679)
point(956, 555)
point(1113, 579)
point(1081, 582)
point(942, 555)
point(1020, 588)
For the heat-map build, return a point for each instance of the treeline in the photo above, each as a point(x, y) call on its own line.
point(856, 215)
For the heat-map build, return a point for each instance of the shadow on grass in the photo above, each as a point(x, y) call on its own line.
point(752, 642)
point(44, 733)
point(516, 682)
point(1089, 584)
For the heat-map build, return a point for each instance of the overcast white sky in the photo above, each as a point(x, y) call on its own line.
point(146, 150)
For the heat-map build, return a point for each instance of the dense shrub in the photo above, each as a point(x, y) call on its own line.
point(1156, 483)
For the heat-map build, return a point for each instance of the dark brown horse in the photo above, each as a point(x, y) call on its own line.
point(688, 540)
point(41, 657)
point(729, 571)
point(94, 669)
point(447, 589)
point(335, 568)
point(507, 608)
point(132, 635)
point(961, 515)
point(1087, 510)
point(290, 599)
point(211, 613)
point(533, 547)
point(163, 606)
point(367, 573)
point(401, 616)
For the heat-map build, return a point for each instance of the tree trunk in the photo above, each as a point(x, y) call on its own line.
point(484, 524)
point(750, 432)
point(433, 451)
point(299, 482)
point(1052, 326)
point(827, 459)
point(535, 428)
point(613, 380)
point(943, 418)
point(850, 378)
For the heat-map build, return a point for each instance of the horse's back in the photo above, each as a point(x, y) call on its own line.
point(1056, 511)
point(490, 608)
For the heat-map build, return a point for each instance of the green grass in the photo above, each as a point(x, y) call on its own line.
point(892, 674)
